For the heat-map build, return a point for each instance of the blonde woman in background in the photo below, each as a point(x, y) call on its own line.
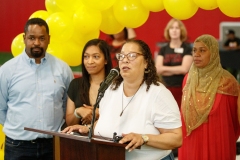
point(174, 59)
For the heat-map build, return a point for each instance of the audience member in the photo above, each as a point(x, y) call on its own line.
point(174, 59)
point(116, 41)
point(82, 92)
point(209, 106)
point(139, 107)
point(232, 42)
point(33, 93)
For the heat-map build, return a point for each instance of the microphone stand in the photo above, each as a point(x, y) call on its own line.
point(99, 97)
point(103, 86)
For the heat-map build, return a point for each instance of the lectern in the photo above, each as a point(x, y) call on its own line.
point(77, 147)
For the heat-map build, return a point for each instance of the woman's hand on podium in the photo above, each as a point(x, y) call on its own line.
point(76, 128)
point(134, 140)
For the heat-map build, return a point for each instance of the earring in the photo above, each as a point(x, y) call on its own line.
point(146, 70)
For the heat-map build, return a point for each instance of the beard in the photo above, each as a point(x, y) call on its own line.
point(37, 53)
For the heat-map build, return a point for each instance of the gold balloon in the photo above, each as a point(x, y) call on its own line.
point(51, 6)
point(40, 14)
point(86, 20)
point(207, 5)
point(17, 45)
point(99, 4)
point(180, 9)
point(230, 8)
point(109, 24)
point(56, 48)
point(84, 38)
point(2, 140)
point(153, 5)
point(60, 26)
point(130, 13)
point(73, 53)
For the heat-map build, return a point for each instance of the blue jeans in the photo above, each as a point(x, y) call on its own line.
point(169, 157)
point(39, 149)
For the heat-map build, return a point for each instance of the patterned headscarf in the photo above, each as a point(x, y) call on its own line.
point(203, 84)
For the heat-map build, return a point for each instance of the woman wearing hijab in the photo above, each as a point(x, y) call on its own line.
point(209, 106)
point(139, 107)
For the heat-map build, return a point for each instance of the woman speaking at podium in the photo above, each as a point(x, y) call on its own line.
point(138, 107)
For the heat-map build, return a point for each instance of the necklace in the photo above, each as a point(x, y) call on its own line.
point(128, 102)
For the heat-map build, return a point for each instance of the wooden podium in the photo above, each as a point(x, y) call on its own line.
point(76, 147)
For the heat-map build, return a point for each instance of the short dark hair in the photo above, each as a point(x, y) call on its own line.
point(151, 76)
point(230, 31)
point(37, 21)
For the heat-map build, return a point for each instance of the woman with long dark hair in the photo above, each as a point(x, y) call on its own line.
point(82, 93)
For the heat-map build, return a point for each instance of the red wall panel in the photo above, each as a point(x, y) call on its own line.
point(14, 14)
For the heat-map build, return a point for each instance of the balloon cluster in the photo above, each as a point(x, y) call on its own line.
point(73, 22)
point(2, 139)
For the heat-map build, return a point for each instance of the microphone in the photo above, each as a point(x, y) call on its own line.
point(103, 86)
point(108, 80)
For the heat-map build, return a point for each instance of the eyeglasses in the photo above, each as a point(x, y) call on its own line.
point(130, 56)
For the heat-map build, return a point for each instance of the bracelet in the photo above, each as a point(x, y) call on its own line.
point(75, 114)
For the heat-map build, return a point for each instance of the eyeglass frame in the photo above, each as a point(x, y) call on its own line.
point(126, 56)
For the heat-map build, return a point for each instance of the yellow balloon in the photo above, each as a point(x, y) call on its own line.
point(130, 13)
point(68, 5)
point(83, 38)
point(68, 51)
point(2, 140)
point(73, 53)
point(60, 26)
point(40, 14)
point(230, 8)
point(109, 23)
point(153, 5)
point(207, 5)
point(17, 45)
point(99, 4)
point(1, 154)
point(86, 20)
point(51, 6)
point(56, 48)
point(180, 9)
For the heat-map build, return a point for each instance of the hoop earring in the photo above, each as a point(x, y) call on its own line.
point(146, 70)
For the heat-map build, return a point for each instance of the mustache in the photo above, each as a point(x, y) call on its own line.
point(36, 48)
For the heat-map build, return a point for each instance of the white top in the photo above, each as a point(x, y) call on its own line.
point(147, 111)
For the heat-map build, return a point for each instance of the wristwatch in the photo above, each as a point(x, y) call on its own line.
point(145, 138)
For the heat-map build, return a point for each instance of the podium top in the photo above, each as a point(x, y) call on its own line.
point(79, 137)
